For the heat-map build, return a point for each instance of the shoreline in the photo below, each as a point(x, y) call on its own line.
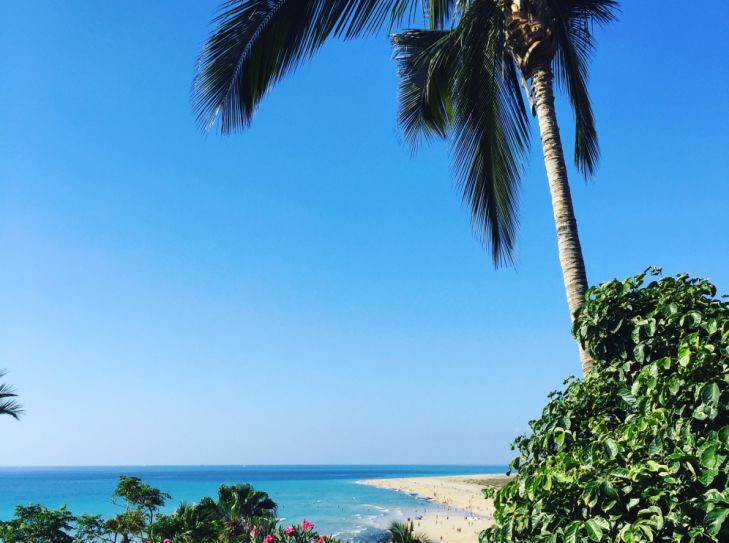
point(465, 511)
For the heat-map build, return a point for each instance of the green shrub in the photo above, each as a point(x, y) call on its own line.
point(637, 452)
point(37, 524)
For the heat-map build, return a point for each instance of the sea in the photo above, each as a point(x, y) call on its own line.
point(329, 496)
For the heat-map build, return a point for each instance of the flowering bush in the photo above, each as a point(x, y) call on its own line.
point(302, 533)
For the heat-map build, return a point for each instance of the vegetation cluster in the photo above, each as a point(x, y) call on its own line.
point(637, 451)
point(240, 514)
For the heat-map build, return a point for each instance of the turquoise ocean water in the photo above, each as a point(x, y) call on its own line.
point(329, 496)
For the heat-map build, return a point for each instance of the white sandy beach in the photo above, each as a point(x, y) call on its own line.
point(467, 511)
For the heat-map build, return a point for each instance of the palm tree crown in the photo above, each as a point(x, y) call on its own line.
point(461, 79)
point(403, 532)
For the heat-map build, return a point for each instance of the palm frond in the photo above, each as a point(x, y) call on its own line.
point(8, 404)
point(256, 42)
point(401, 532)
point(601, 12)
point(462, 83)
point(490, 135)
point(575, 44)
point(426, 67)
point(439, 13)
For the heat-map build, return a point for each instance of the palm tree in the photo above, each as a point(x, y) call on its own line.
point(226, 520)
point(194, 523)
point(461, 79)
point(404, 533)
point(240, 507)
point(8, 404)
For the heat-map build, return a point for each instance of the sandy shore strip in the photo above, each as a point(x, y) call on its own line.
point(466, 513)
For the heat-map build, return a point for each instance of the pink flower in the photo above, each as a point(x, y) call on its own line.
point(167, 541)
point(290, 530)
point(255, 531)
point(322, 539)
point(268, 539)
point(306, 526)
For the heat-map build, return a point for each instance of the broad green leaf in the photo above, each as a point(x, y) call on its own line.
point(684, 356)
point(673, 385)
point(714, 496)
point(710, 393)
point(572, 532)
point(712, 326)
point(627, 398)
point(695, 317)
point(714, 519)
point(656, 467)
point(651, 327)
point(612, 448)
point(707, 476)
point(664, 363)
point(707, 454)
point(594, 531)
point(589, 495)
point(724, 436)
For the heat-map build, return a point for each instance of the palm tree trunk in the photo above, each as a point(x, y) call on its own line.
point(568, 240)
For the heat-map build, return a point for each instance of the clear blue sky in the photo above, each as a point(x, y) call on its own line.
point(308, 292)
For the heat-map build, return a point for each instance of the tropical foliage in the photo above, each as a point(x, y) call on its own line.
point(403, 532)
point(240, 514)
point(636, 452)
point(37, 524)
point(8, 403)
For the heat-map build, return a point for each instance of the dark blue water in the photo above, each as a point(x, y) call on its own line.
point(327, 495)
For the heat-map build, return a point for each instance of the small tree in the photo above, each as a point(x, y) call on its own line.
point(141, 502)
point(92, 529)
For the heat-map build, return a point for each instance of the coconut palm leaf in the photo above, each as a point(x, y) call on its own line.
point(463, 80)
point(402, 532)
point(490, 135)
point(256, 42)
point(8, 404)
point(245, 503)
point(575, 45)
point(426, 67)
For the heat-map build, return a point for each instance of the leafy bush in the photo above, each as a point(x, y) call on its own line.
point(37, 524)
point(637, 452)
